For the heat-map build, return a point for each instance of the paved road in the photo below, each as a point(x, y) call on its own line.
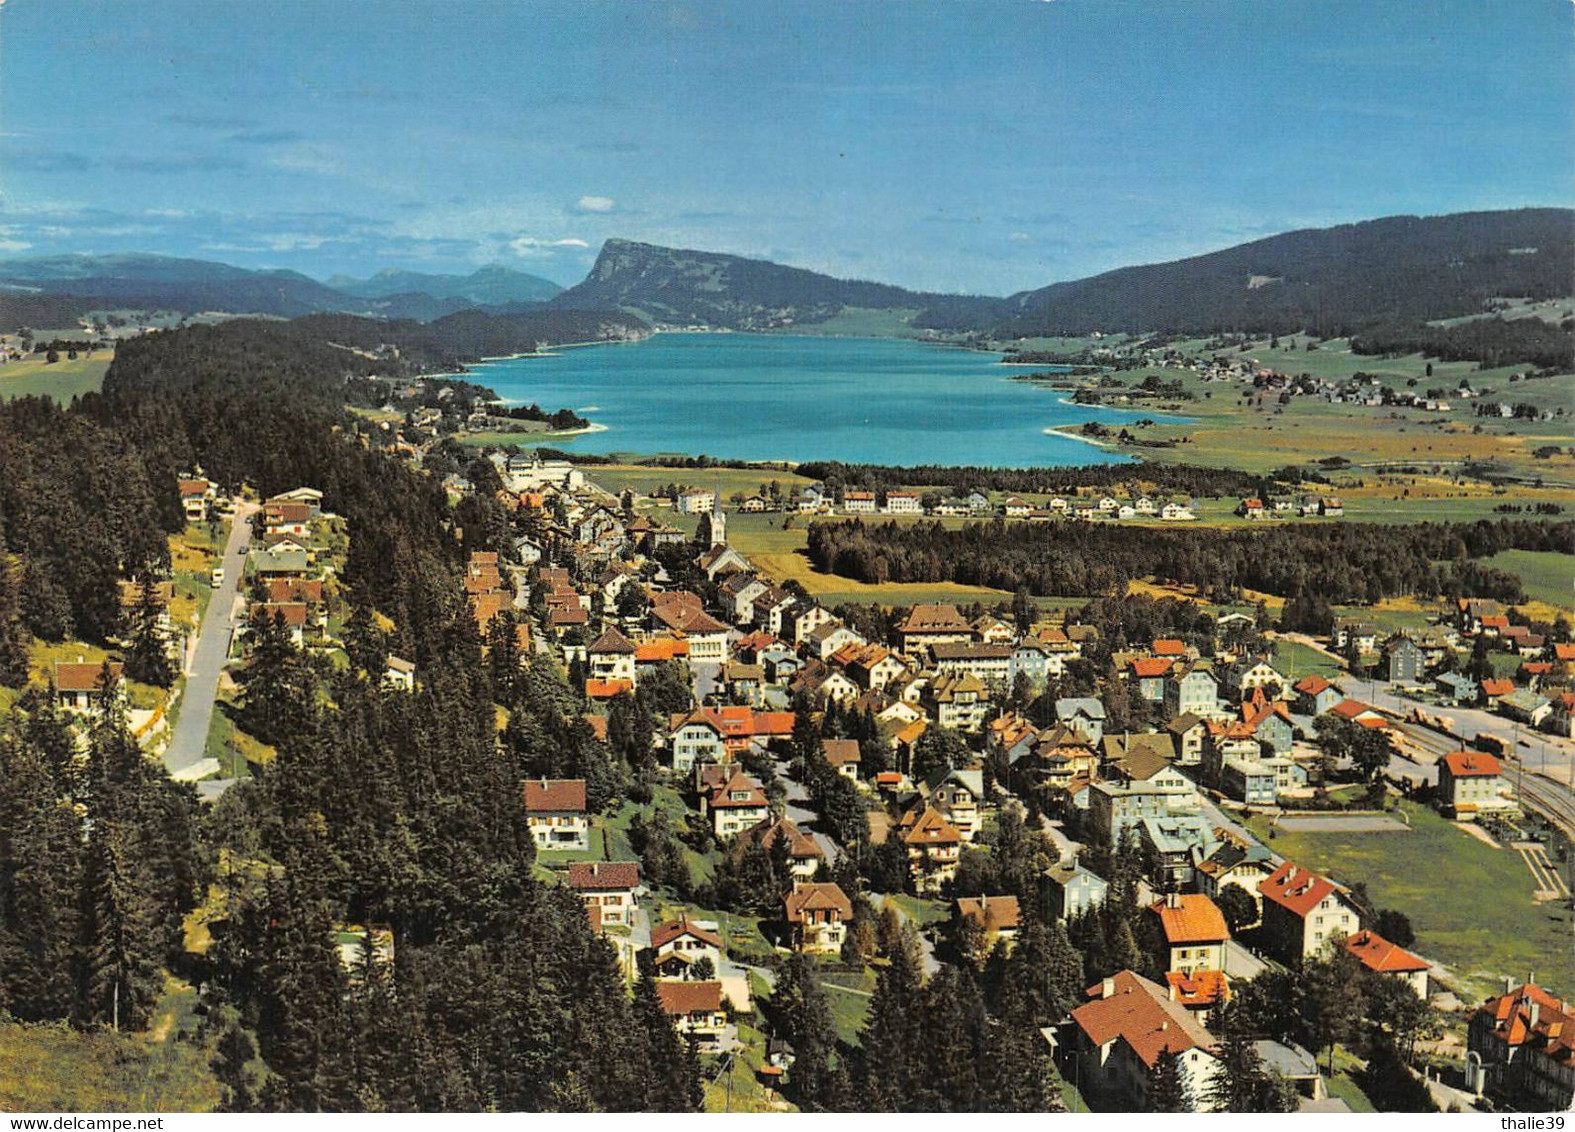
point(213, 642)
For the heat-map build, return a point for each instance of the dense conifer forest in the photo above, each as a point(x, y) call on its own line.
point(390, 808)
point(1355, 563)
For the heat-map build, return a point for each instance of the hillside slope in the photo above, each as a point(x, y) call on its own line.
point(1330, 280)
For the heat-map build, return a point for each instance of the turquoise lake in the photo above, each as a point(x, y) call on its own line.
point(774, 397)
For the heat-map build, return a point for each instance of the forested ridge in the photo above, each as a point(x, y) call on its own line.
point(1355, 563)
point(1329, 281)
point(378, 806)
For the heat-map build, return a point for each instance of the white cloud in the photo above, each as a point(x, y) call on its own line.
point(595, 204)
point(14, 245)
point(529, 247)
point(1020, 237)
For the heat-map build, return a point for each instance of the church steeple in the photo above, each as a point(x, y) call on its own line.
point(712, 530)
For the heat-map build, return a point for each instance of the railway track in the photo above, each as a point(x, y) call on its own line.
point(1551, 799)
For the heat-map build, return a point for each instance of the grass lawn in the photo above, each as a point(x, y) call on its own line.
point(741, 935)
point(1297, 660)
point(1470, 904)
point(61, 380)
point(597, 839)
point(236, 751)
point(848, 1010)
point(57, 1069)
point(921, 912)
point(1546, 575)
point(780, 553)
point(741, 1090)
point(1344, 1088)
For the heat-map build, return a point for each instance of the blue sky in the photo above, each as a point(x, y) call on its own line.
point(972, 145)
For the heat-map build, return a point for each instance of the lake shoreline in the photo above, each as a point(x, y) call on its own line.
point(787, 399)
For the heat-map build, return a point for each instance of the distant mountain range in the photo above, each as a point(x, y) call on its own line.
point(1397, 270)
point(493, 285)
point(139, 281)
point(1332, 280)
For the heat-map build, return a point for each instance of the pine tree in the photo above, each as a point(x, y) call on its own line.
point(893, 1042)
point(14, 636)
point(148, 659)
point(1242, 1082)
point(118, 973)
point(1016, 1073)
point(801, 1017)
point(951, 1020)
point(671, 1074)
point(40, 858)
point(1167, 1088)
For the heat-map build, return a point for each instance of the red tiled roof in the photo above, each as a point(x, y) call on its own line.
point(607, 689)
point(1378, 954)
point(801, 846)
point(612, 641)
point(1510, 1016)
point(840, 752)
point(1495, 688)
point(815, 897)
point(1312, 685)
point(555, 795)
point(293, 613)
point(1472, 764)
point(1168, 646)
point(1203, 988)
point(739, 783)
point(73, 676)
point(680, 998)
point(659, 649)
point(604, 875)
point(1140, 1013)
point(993, 913)
point(1295, 889)
point(1145, 667)
point(928, 828)
point(1194, 919)
point(1349, 709)
point(663, 934)
point(295, 589)
point(1564, 652)
point(773, 723)
point(933, 619)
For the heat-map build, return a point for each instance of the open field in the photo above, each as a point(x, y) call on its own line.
point(1471, 904)
point(780, 553)
point(1262, 438)
point(57, 1069)
point(1233, 425)
point(61, 380)
point(1546, 575)
point(1297, 660)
